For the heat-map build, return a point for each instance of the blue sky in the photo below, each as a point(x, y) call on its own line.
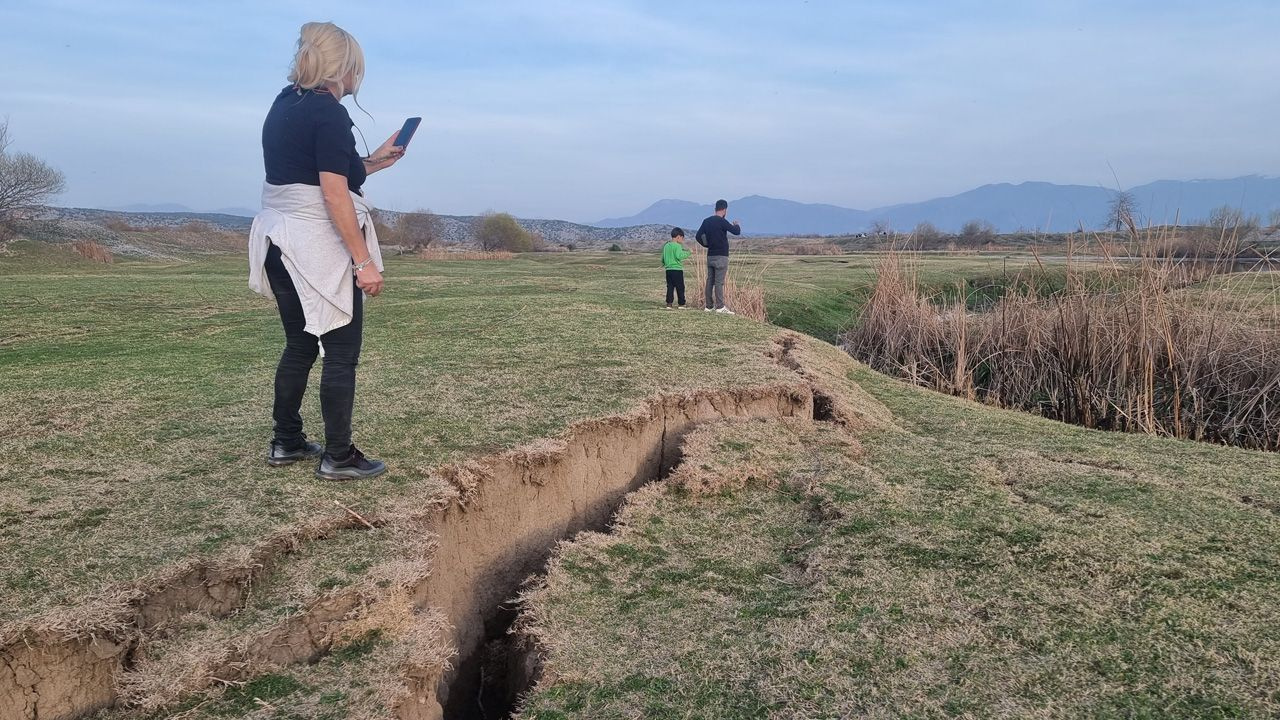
point(582, 110)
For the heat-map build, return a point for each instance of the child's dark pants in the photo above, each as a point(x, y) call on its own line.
point(675, 285)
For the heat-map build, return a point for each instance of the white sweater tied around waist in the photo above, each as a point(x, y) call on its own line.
point(294, 218)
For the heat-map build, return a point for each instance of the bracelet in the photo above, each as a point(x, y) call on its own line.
point(362, 265)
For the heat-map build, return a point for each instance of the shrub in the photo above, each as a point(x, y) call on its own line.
point(615, 248)
point(119, 224)
point(975, 233)
point(501, 231)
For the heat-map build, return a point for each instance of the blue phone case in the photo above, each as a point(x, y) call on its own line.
point(406, 132)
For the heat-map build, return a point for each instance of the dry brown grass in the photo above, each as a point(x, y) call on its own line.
point(1125, 348)
point(806, 249)
point(94, 251)
point(441, 254)
point(743, 287)
point(119, 224)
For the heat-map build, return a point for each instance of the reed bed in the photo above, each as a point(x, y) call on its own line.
point(1148, 343)
point(743, 287)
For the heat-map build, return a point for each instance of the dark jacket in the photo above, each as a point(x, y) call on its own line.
point(714, 235)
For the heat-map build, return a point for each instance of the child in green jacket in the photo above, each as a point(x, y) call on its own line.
point(673, 257)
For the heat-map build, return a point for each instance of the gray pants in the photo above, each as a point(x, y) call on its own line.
point(717, 268)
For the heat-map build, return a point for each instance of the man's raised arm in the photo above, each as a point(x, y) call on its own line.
point(732, 227)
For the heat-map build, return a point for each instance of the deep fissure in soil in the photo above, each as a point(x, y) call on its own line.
point(489, 684)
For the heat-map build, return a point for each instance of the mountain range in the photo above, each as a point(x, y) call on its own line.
point(1042, 206)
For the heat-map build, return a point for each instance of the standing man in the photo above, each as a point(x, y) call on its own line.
point(714, 236)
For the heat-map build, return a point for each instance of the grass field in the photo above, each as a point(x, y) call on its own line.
point(141, 396)
point(137, 397)
point(964, 562)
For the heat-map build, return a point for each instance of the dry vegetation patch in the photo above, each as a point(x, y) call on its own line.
point(1158, 346)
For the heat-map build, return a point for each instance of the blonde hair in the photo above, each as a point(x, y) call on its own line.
point(326, 55)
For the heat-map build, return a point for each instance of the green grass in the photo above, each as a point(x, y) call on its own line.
point(138, 396)
point(960, 562)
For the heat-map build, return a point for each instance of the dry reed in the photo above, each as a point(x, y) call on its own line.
point(437, 253)
point(1137, 344)
point(743, 286)
point(94, 251)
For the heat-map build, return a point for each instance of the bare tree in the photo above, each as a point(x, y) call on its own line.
point(26, 181)
point(1120, 212)
point(500, 231)
point(419, 229)
point(1273, 218)
point(927, 235)
point(1233, 219)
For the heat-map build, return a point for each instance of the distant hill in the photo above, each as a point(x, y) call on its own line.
point(457, 229)
point(152, 208)
point(1026, 206)
point(152, 218)
point(760, 215)
point(175, 208)
point(242, 212)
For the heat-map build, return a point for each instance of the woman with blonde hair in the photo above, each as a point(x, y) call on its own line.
point(313, 247)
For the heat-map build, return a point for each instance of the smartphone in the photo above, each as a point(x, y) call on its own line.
point(406, 132)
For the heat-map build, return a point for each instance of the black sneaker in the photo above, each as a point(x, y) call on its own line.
point(355, 467)
point(279, 455)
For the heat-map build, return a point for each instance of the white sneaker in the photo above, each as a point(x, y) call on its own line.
point(666, 307)
point(726, 311)
point(708, 310)
point(682, 308)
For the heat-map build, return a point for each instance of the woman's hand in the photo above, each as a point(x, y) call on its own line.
point(369, 280)
point(385, 156)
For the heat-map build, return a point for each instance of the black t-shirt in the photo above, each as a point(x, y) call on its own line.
point(308, 133)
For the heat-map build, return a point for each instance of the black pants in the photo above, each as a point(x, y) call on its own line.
point(338, 377)
point(675, 285)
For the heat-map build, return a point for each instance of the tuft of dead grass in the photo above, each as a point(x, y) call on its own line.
point(94, 251)
point(440, 254)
